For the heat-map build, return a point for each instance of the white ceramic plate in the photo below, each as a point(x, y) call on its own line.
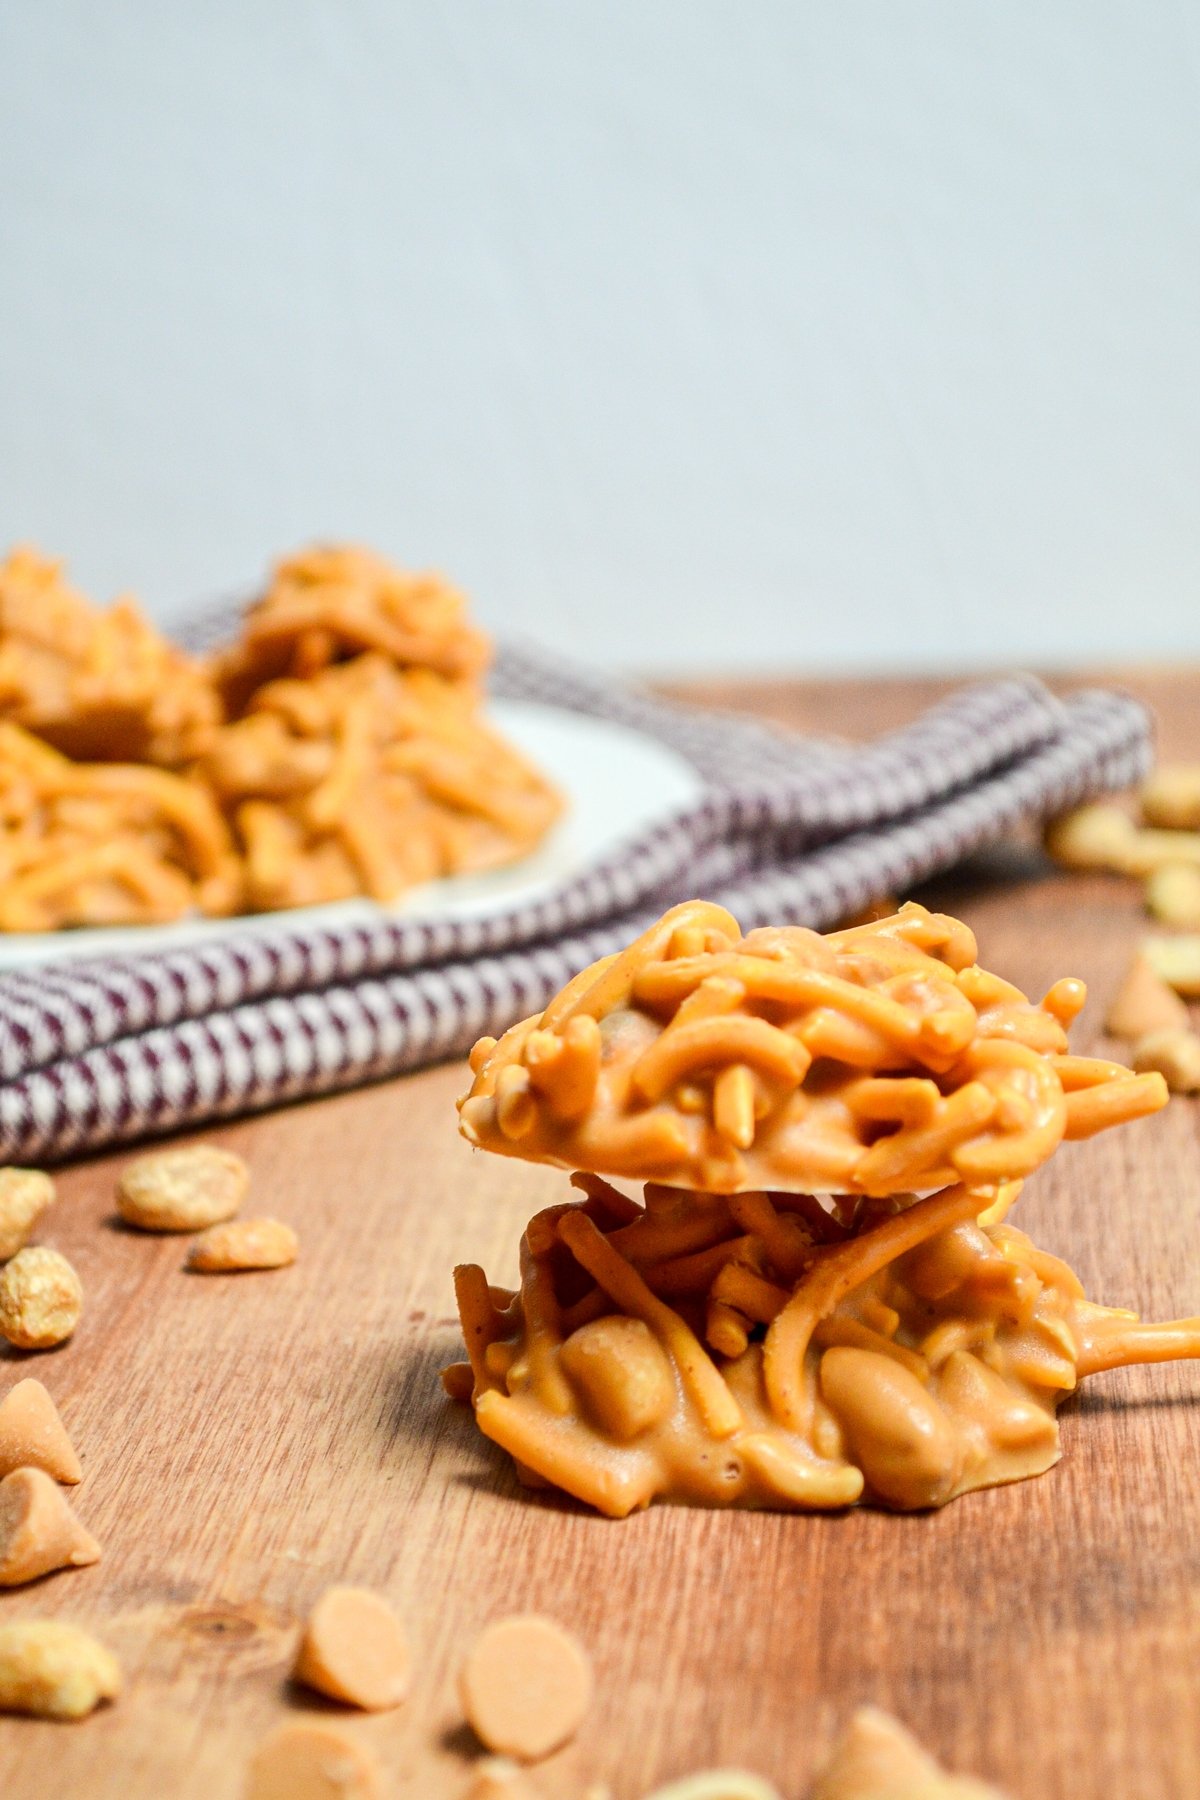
point(617, 782)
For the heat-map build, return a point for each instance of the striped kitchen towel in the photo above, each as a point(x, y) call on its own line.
point(785, 830)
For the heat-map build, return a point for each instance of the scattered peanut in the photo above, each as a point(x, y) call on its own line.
point(304, 1759)
point(876, 1759)
point(244, 1244)
point(525, 1686)
point(41, 1298)
point(1092, 837)
point(1171, 797)
point(354, 1649)
point(1176, 1056)
point(54, 1670)
point(38, 1530)
point(1176, 960)
point(717, 1784)
point(1173, 895)
point(1144, 1003)
point(182, 1189)
point(32, 1436)
point(24, 1196)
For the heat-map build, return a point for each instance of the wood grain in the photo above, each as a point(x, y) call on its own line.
point(248, 1439)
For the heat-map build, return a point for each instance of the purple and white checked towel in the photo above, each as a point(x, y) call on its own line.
point(786, 830)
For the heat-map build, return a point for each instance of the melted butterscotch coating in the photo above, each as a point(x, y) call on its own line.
point(331, 603)
point(96, 683)
point(366, 779)
point(876, 1060)
point(765, 1350)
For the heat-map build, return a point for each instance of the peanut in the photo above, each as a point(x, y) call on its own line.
point(1176, 960)
point(897, 1433)
point(354, 1649)
point(32, 1435)
point(1092, 837)
point(1173, 895)
point(41, 1299)
point(54, 1670)
point(1176, 1056)
point(24, 1196)
point(622, 1374)
point(1171, 797)
point(244, 1244)
point(498, 1778)
point(525, 1686)
point(38, 1530)
point(1144, 1003)
point(182, 1189)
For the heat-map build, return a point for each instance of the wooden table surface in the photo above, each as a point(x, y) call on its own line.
point(249, 1439)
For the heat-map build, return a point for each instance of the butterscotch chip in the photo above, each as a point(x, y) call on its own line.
point(24, 1196)
point(54, 1670)
point(876, 1759)
point(718, 1784)
point(244, 1244)
point(32, 1436)
point(38, 1530)
point(304, 1760)
point(354, 1649)
point(1144, 1003)
point(525, 1686)
point(182, 1189)
point(41, 1299)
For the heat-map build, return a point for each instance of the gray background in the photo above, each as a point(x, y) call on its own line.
point(765, 336)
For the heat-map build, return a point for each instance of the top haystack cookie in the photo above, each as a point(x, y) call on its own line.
point(876, 1060)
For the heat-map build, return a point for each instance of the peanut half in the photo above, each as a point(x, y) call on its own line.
point(1176, 960)
point(38, 1530)
point(1173, 895)
point(54, 1670)
point(24, 1196)
point(182, 1189)
point(244, 1244)
point(41, 1299)
point(717, 1784)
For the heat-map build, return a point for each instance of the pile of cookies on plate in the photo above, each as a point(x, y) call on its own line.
point(337, 748)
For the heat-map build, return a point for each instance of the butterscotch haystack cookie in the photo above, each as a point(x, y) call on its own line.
point(366, 778)
point(106, 843)
point(818, 1299)
point(96, 683)
point(333, 602)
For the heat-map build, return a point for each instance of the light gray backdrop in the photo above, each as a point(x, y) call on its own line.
point(770, 334)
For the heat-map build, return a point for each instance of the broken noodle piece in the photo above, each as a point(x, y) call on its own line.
point(819, 1298)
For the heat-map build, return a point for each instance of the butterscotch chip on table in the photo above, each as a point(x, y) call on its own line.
point(33, 1436)
point(354, 1649)
point(53, 1670)
point(41, 1299)
point(244, 1244)
point(1144, 1003)
point(819, 1298)
point(877, 1759)
point(184, 1189)
point(525, 1686)
point(307, 1760)
point(24, 1196)
point(38, 1529)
